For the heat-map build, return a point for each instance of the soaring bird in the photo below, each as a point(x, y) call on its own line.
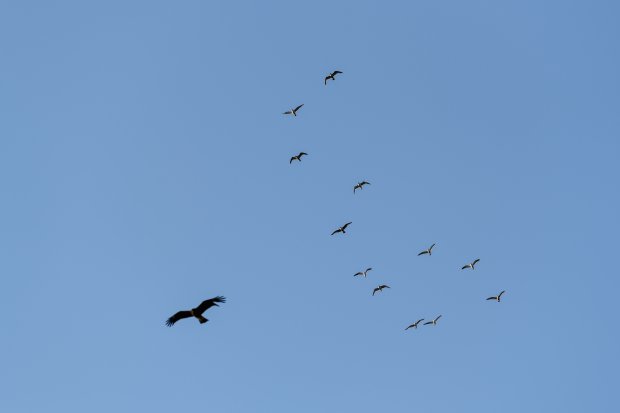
point(471, 264)
point(434, 322)
point(360, 185)
point(429, 251)
point(297, 157)
point(498, 297)
point(332, 75)
point(293, 111)
point(414, 325)
point(342, 228)
point(380, 288)
point(362, 272)
point(196, 312)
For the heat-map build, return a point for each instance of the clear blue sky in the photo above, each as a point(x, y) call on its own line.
point(144, 167)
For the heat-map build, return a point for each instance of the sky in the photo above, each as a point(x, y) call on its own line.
point(144, 167)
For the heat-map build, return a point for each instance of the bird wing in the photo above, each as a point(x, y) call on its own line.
point(475, 261)
point(428, 322)
point(358, 273)
point(384, 286)
point(346, 225)
point(302, 153)
point(368, 269)
point(491, 298)
point(365, 183)
point(412, 325)
point(375, 290)
point(298, 107)
point(500, 294)
point(431, 247)
point(288, 112)
point(419, 320)
point(438, 317)
point(336, 72)
point(178, 316)
point(206, 304)
point(325, 81)
point(466, 266)
point(422, 253)
point(292, 159)
point(336, 231)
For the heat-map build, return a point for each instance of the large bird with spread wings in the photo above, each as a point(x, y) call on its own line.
point(196, 312)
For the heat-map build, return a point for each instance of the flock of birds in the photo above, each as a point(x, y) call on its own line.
point(213, 302)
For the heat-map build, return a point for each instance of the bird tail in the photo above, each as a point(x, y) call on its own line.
point(201, 319)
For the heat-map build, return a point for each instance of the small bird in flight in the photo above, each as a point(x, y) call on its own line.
point(342, 228)
point(429, 251)
point(196, 312)
point(434, 322)
point(360, 185)
point(471, 264)
point(297, 157)
point(379, 288)
point(332, 75)
point(362, 272)
point(498, 297)
point(293, 111)
point(414, 325)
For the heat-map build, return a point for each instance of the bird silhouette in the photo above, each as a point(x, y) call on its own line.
point(498, 297)
point(414, 325)
point(379, 288)
point(293, 111)
point(471, 264)
point(362, 272)
point(332, 75)
point(297, 157)
point(434, 322)
point(360, 185)
point(196, 312)
point(342, 228)
point(429, 251)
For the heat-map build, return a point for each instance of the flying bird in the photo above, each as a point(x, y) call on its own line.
point(196, 312)
point(471, 264)
point(342, 228)
point(380, 288)
point(332, 75)
point(434, 322)
point(362, 272)
point(414, 325)
point(293, 111)
point(360, 185)
point(429, 251)
point(297, 157)
point(498, 297)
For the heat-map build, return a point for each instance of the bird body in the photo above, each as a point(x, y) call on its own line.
point(293, 111)
point(360, 185)
point(332, 76)
point(379, 288)
point(498, 297)
point(471, 264)
point(362, 272)
point(433, 322)
point(196, 312)
point(342, 228)
point(297, 157)
point(414, 325)
point(428, 251)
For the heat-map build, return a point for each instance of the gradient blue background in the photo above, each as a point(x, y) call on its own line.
point(144, 167)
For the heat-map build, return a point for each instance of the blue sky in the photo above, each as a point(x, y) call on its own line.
point(144, 168)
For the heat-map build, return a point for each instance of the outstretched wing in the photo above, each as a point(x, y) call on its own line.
point(298, 107)
point(438, 317)
point(500, 294)
point(337, 231)
point(358, 273)
point(346, 225)
point(292, 159)
point(325, 81)
point(178, 316)
point(336, 72)
point(375, 290)
point(419, 321)
point(475, 261)
point(368, 269)
point(385, 286)
point(427, 323)
point(288, 112)
point(491, 298)
point(365, 183)
point(302, 153)
point(431, 247)
point(206, 304)
point(422, 253)
point(466, 266)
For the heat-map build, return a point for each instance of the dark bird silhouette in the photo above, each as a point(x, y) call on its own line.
point(342, 228)
point(362, 272)
point(297, 157)
point(429, 251)
point(414, 325)
point(293, 111)
point(360, 185)
point(498, 297)
point(380, 288)
point(196, 312)
point(434, 322)
point(471, 264)
point(332, 75)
